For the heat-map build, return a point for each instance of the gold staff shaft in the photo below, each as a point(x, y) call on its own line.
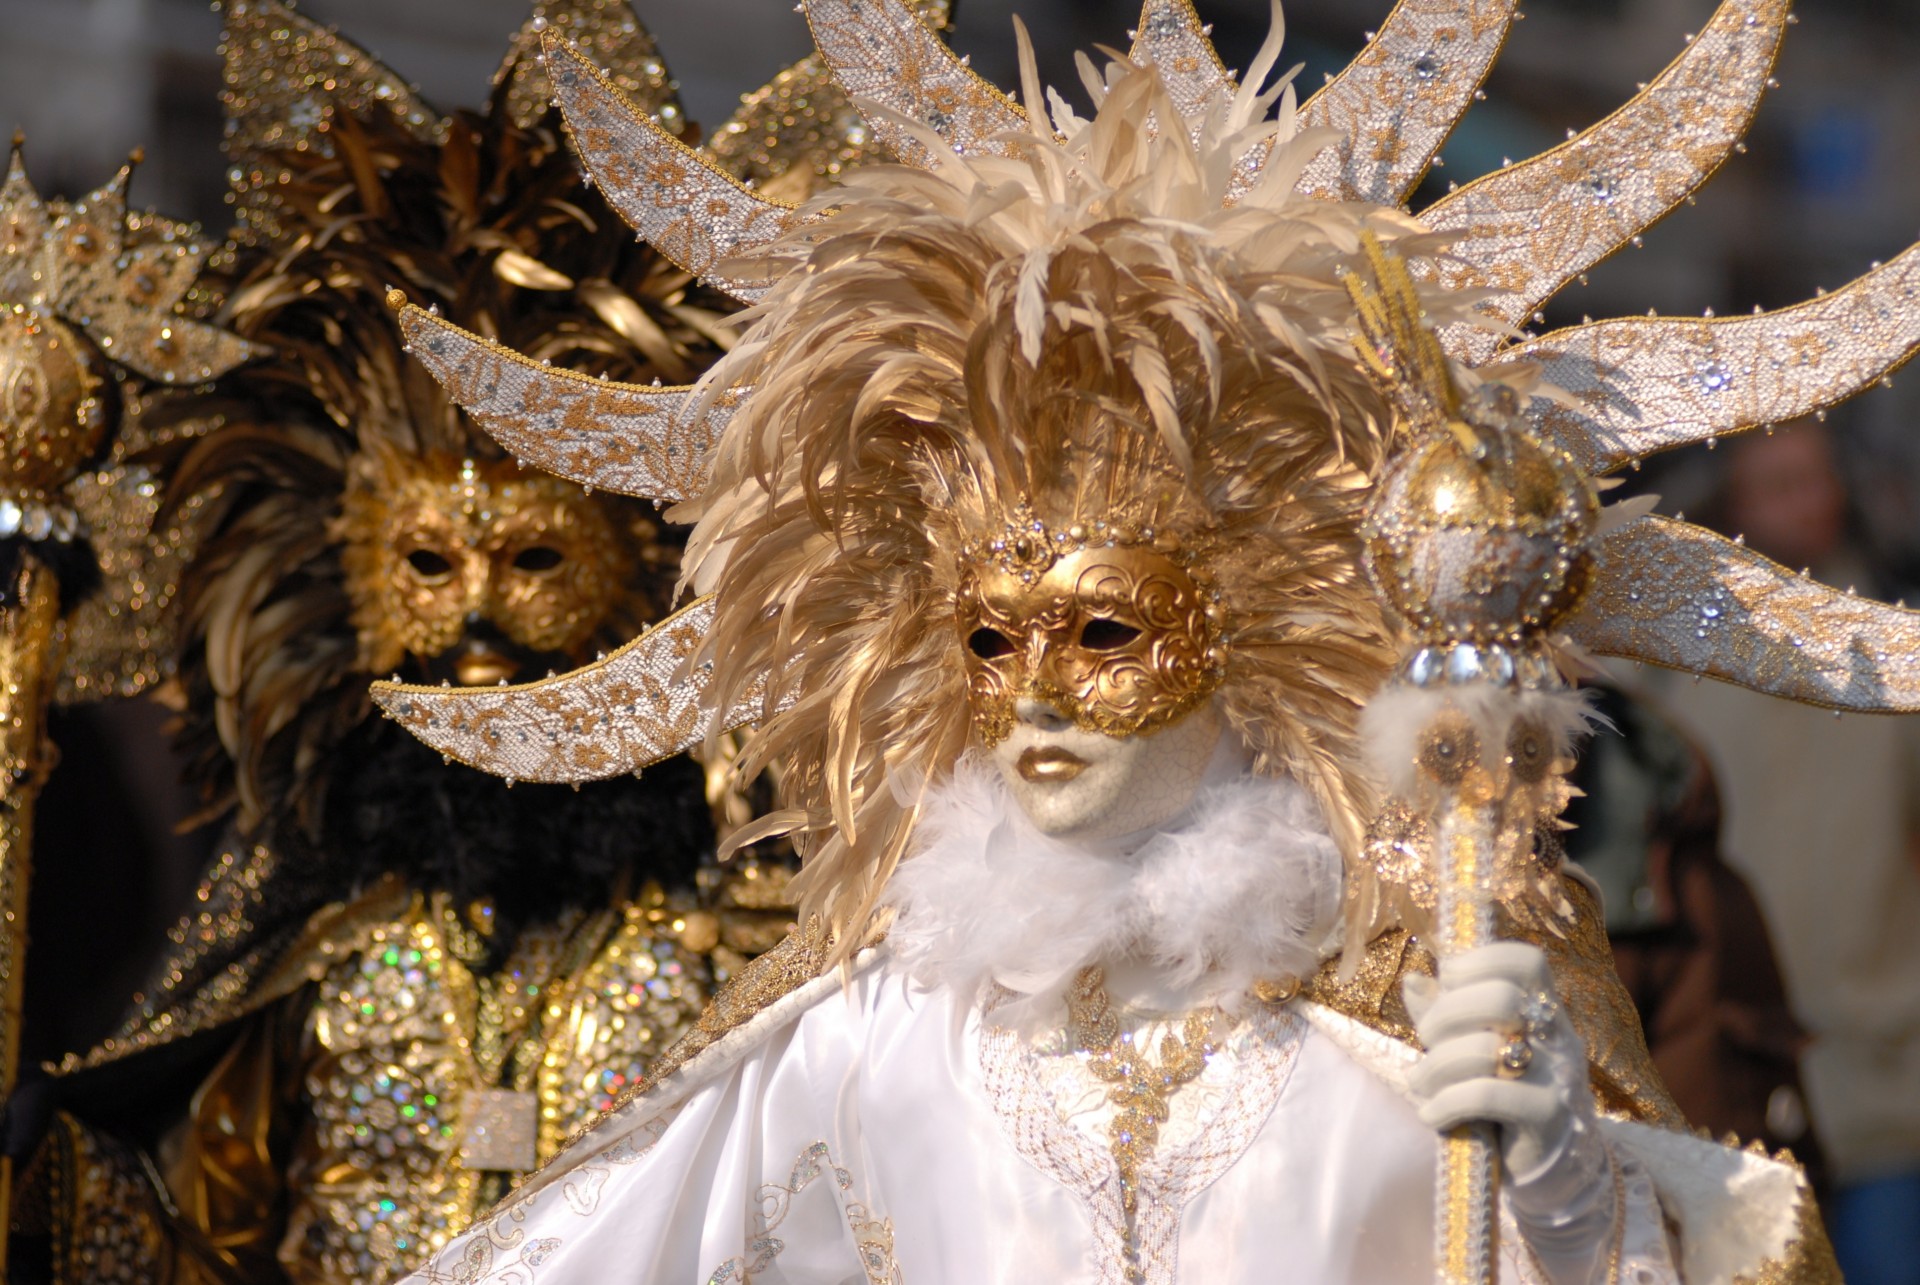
point(30, 642)
point(1468, 1190)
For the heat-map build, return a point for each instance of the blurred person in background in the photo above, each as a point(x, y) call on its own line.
point(1689, 941)
point(1820, 819)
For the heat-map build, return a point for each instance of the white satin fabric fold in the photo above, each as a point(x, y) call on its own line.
point(875, 1132)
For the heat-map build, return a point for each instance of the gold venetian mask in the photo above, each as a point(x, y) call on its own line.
point(1124, 639)
point(508, 567)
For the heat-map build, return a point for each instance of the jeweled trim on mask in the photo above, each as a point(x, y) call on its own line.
point(1115, 624)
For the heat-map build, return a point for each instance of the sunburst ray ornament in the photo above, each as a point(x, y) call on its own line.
point(1662, 591)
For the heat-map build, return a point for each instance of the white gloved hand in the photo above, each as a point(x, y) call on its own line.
point(1558, 1175)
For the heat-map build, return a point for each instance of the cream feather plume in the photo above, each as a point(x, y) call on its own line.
point(1089, 328)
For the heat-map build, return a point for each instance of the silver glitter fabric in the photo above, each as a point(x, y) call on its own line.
point(1398, 101)
point(1530, 228)
point(679, 201)
point(636, 440)
point(1172, 38)
point(634, 708)
point(1649, 384)
point(881, 52)
point(1680, 596)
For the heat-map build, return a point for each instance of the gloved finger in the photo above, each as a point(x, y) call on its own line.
point(1482, 1006)
point(1465, 1057)
point(1511, 1104)
point(1418, 991)
point(1520, 963)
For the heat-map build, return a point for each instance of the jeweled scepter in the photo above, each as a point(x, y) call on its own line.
point(1480, 540)
point(89, 293)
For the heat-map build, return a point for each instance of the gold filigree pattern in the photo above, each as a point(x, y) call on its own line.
point(430, 545)
point(1530, 228)
point(1123, 640)
point(678, 200)
point(1138, 1087)
point(633, 708)
point(1681, 596)
point(627, 438)
point(1145, 1247)
point(1648, 384)
point(880, 51)
point(873, 1236)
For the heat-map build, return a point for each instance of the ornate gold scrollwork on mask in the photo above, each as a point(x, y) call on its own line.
point(436, 546)
point(1124, 639)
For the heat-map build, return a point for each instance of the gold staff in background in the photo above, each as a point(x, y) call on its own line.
point(89, 322)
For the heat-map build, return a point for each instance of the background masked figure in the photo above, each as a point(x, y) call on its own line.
point(403, 984)
point(1032, 544)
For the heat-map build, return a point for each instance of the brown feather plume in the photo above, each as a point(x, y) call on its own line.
point(493, 226)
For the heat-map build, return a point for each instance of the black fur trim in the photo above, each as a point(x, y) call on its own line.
point(536, 850)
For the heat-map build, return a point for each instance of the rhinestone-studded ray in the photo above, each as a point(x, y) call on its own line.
point(880, 52)
point(1683, 597)
point(1648, 384)
point(636, 440)
point(117, 274)
point(799, 130)
point(286, 77)
point(1396, 103)
point(679, 201)
point(618, 715)
point(1172, 37)
point(609, 33)
point(1530, 228)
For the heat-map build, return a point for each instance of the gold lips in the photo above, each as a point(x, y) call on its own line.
point(484, 667)
point(1051, 765)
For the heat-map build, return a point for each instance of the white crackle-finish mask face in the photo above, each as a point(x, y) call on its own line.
point(1074, 783)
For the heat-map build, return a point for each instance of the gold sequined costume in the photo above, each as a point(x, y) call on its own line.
point(398, 991)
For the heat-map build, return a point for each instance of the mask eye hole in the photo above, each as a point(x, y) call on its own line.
point(539, 557)
point(989, 644)
point(429, 565)
point(1107, 635)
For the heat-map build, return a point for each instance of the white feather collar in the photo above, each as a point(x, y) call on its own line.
point(1245, 886)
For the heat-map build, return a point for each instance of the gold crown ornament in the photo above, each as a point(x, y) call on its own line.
point(1480, 536)
point(87, 288)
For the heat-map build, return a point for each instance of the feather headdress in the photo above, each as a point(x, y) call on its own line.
point(1160, 284)
point(1099, 342)
point(482, 214)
